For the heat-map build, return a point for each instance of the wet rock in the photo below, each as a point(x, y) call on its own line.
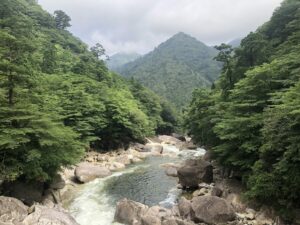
point(45, 216)
point(212, 210)
point(12, 211)
point(86, 172)
point(129, 212)
point(171, 171)
point(194, 172)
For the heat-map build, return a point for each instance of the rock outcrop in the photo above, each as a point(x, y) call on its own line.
point(153, 148)
point(129, 212)
point(44, 216)
point(212, 210)
point(195, 171)
point(12, 211)
point(86, 172)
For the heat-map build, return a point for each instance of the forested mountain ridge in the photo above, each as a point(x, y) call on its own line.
point(251, 119)
point(119, 59)
point(175, 68)
point(57, 98)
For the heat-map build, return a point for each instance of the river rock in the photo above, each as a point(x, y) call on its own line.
point(86, 172)
point(216, 191)
point(114, 166)
point(49, 216)
point(129, 212)
point(212, 210)
point(177, 221)
point(12, 211)
point(154, 148)
point(171, 171)
point(195, 171)
point(169, 139)
point(200, 192)
point(155, 214)
point(124, 159)
point(179, 137)
point(185, 208)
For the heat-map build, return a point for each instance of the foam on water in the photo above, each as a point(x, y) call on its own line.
point(93, 205)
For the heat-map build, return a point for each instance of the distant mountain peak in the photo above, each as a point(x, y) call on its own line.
point(175, 68)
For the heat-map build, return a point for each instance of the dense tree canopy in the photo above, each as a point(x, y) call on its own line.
point(57, 98)
point(251, 118)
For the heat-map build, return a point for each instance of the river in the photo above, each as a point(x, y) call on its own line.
point(146, 182)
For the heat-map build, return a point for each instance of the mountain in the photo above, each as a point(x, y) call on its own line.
point(235, 42)
point(119, 59)
point(175, 68)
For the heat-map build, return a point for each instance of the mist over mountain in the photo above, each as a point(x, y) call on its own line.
point(121, 58)
point(175, 68)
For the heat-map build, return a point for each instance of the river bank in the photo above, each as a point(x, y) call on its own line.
point(90, 190)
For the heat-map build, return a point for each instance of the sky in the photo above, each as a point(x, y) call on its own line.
point(140, 25)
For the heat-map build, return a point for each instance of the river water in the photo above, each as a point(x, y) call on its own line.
point(146, 182)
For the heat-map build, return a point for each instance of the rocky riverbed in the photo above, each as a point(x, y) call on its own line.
point(209, 199)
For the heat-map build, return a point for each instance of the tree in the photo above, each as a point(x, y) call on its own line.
point(99, 51)
point(62, 20)
point(225, 56)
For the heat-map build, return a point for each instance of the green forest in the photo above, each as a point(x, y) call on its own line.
point(175, 68)
point(58, 99)
point(250, 119)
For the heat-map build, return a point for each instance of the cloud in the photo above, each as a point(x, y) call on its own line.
point(140, 25)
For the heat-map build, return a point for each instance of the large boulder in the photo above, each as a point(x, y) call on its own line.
point(29, 193)
point(169, 139)
point(49, 216)
point(12, 211)
point(171, 171)
point(86, 172)
point(129, 212)
point(212, 210)
point(195, 171)
point(154, 148)
point(185, 208)
point(154, 215)
point(124, 159)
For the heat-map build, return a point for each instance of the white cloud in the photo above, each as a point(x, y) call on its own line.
point(140, 25)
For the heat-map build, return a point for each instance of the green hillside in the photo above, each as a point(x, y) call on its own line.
point(251, 120)
point(57, 98)
point(117, 60)
point(175, 68)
